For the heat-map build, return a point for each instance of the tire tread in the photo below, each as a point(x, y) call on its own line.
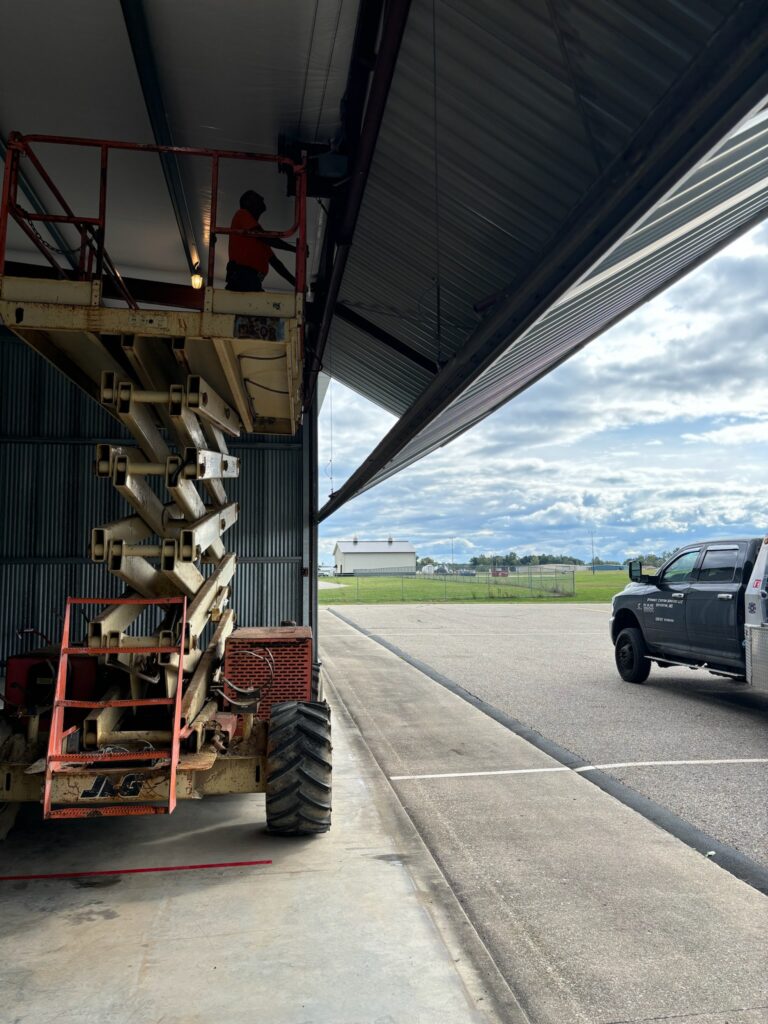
point(298, 783)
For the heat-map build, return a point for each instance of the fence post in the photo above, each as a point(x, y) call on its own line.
point(402, 588)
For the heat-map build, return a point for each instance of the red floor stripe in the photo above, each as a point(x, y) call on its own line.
point(135, 871)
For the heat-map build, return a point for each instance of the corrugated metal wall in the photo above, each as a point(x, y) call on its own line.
point(51, 499)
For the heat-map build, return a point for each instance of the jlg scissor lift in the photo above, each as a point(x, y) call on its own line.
point(163, 699)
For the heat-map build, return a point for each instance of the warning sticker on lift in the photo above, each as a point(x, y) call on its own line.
point(266, 328)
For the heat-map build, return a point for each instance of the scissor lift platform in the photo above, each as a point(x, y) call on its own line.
point(247, 344)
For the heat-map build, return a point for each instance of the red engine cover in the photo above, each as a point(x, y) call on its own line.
point(30, 678)
point(283, 670)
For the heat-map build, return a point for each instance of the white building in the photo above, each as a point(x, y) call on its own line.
point(361, 555)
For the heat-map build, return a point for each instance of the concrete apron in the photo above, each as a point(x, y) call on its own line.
point(591, 912)
point(339, 929)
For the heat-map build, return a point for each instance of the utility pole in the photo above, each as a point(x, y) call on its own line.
point(592, 538)
point(452, 563)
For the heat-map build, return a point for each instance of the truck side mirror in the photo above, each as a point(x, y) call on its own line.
point(636, 571)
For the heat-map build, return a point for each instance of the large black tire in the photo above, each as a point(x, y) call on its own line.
point(299, 768)
point(631, 658)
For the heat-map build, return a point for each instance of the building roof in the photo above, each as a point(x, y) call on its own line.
point(375, 547)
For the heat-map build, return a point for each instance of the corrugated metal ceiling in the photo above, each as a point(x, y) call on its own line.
point(508, 126)
point(502, 115)
point(725, 195)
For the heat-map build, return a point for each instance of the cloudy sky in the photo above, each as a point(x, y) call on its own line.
point(653, 435)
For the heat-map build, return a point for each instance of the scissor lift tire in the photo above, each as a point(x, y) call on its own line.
point(299, 768)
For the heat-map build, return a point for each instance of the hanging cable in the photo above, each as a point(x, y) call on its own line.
point(328, 69)
point(329, 464)
point(264, 387)
point(329, 467)
point(438, 274)
point(306, 69)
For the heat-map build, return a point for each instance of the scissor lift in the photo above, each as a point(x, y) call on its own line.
point(160, 721)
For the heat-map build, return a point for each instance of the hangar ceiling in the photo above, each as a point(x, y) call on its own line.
point(539, 167)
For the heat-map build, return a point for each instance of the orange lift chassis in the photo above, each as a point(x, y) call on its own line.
point(162, 698)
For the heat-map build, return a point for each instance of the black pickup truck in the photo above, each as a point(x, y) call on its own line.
point(691, 612)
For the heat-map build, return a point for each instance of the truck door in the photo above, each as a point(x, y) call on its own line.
point(664, 607)
point(712, 605)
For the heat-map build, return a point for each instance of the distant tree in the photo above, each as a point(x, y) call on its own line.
point(480, 560)
point(651, 559)
point(421, 562)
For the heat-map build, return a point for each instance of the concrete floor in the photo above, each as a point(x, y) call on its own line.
point(354, 927)
point(551, 667)
point(593, 914)
point(532, 898)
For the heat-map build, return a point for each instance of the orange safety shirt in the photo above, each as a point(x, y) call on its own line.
point(249, 252)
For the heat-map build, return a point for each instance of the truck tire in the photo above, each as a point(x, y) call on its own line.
point(299, 768)
point(631, 660)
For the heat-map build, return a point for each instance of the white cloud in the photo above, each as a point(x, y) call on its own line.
point(755, 432)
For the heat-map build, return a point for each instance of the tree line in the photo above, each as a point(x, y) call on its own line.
point(512, 558)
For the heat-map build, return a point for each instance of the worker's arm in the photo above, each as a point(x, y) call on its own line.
point(282, 270)
point(278, 243)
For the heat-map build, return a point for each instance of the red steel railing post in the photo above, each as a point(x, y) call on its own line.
point(11, 157)
point(301, 245)
point(212, 223)
point(175, 743)
point(102, 211)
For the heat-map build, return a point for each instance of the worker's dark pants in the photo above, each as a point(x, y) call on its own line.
point(243, 279)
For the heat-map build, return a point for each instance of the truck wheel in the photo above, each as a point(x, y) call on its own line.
point(631, 660)
point(299, 768)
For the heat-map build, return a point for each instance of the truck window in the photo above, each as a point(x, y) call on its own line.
point(719, 565)
point(680, 570)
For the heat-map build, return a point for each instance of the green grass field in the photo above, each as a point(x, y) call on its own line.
point(396, 590)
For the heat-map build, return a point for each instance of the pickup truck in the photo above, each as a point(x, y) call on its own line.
point(706, 607)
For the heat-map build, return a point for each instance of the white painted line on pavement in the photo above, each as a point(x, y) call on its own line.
point(466, 775)
point(663, 764)
point(585, 768)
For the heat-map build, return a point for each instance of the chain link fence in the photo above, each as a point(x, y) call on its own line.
point(532, 581)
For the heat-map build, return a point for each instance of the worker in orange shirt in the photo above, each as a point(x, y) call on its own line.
point(250, 257)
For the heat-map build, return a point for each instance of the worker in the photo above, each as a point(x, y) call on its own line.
point(251, 257)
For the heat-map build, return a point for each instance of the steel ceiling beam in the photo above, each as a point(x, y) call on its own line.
point(135, 19)
point(342, 224)
point(361, 323)
point(727, 79)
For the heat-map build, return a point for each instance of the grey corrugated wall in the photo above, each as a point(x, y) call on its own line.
point(51, 499)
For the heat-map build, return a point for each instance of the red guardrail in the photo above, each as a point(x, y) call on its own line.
point(94, 261)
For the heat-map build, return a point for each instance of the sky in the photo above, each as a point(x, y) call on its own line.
point(654, 435)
